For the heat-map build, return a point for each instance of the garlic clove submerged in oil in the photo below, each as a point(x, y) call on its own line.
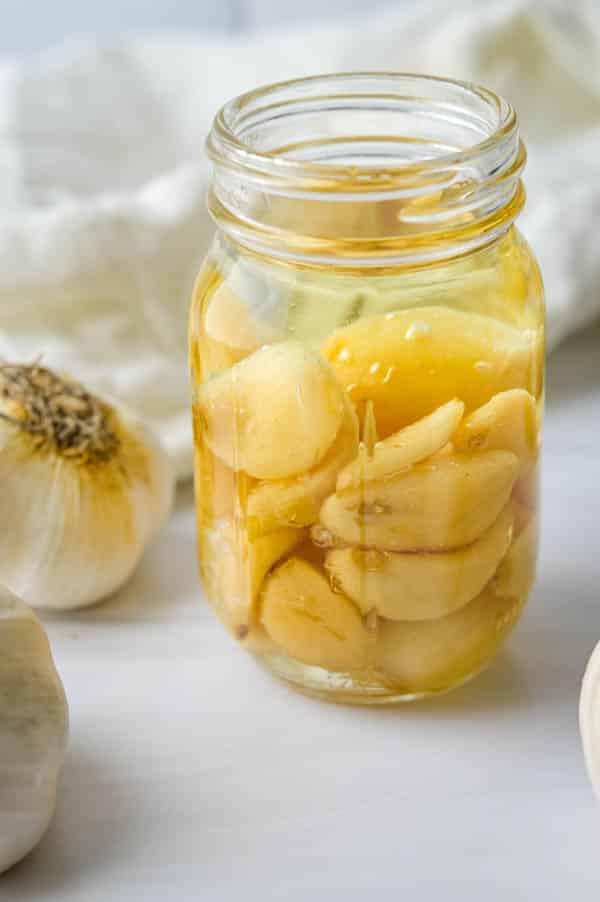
point(84, 487)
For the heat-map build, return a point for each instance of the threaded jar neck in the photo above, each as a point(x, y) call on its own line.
point(366, 169)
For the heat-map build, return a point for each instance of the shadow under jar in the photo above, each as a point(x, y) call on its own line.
point(366, 344)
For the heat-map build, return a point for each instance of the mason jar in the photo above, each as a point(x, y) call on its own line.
point(367, 359)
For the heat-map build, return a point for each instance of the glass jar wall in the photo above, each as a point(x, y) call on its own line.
point(366, 345)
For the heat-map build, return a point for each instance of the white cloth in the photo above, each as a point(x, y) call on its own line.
point(102, 177)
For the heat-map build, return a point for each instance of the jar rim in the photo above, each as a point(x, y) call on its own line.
point(444, 174)
point(228, 146)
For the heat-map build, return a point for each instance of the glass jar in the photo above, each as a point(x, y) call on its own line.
point(366, 343)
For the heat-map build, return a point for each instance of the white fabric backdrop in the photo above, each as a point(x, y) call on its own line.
point(102, 180)
point(23, 32)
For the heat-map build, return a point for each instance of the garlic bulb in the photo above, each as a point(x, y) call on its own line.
point(84, 488)
point(589, 718)
point(33, 730)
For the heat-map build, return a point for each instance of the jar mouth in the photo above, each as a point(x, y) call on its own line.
point(450, 146)
point(237, 137)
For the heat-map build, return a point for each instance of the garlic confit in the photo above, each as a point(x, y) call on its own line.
point(84, 487)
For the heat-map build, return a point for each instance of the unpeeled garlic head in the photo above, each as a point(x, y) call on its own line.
point(589, 718)
point(84, 488)
point(33, 730)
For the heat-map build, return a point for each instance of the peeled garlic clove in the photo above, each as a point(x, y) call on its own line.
point(589, 718)
point(235, 568)
point(439, 352)
point(33, 730)
point(437, 505)
point(296, 501)
point(84, 487)
point(312, 623)
point(430, 655)
point(218, 488)
point(516, 573)
point(404, 448)
point(508, 422)
point(246, 311)
point(275, 414)
point(527, 488)
point(207, 356)
point(420, 586)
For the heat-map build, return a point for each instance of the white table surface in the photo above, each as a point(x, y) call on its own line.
point(192, 775)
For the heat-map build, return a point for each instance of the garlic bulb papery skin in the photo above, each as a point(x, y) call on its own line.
point(83, 487)
point(33, 730)
point(589, 718)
